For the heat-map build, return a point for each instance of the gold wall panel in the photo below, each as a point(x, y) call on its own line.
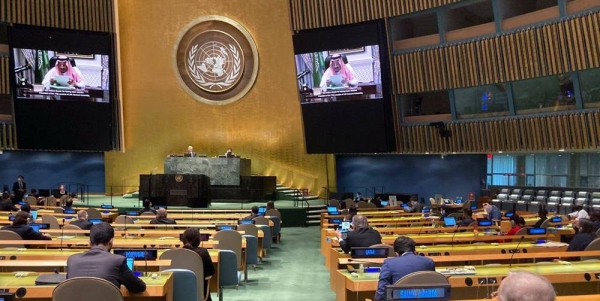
point(308, 14)
point(161, 118)
point(575, 131)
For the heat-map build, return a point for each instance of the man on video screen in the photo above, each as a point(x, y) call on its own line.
point(338, 74)
point(63, 74)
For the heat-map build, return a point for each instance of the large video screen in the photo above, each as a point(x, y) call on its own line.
point(64, 96)
point(54, 75)
point(343, 75)
point(339, 74)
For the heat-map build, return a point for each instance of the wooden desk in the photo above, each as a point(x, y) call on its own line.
point(156, 289)
point(119, 242)
point(567, 280)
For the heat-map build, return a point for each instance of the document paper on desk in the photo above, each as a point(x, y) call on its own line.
point(552, 244)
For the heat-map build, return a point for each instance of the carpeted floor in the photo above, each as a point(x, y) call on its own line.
point(294, 270)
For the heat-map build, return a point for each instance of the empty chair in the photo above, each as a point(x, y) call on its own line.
point(228, 273)
point(261, 221)
point(538, 202)
point(502, 197)
point(349, 203)
point(31, 200)
point(72, 227)
point(251, 253)
point(583, 198)
point(371, 206)
point(334, 202)
point(123, 219)
point(10, 235)
point(189, 260)
point(267, 233)
point(59, 210)
point(50, 219)
point(276, 228)
point(148, 213)
point(273, 212)
point(593, 246)
point(230, 240)
point(390, 248)
point(184, 285)
point(361, 204)
point(567, 202)
point(51, 201)
point(512, 201)
point(86, 289)
point(249, 229)
point(94, 213)
point(522, 231)
point(553, 203)
point(63, 199)
point(526, 199)
point(595, 201)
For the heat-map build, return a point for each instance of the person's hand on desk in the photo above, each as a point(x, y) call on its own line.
point(338, 234)
point(47, 235)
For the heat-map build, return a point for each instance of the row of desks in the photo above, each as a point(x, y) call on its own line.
point(156, 289)
point(568, 279)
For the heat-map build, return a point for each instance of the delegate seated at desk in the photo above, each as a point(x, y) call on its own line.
point(338, 74)
point(99, 262)
point(361, 235)
point(405, 263)
point(63, 67)
point(20, 227)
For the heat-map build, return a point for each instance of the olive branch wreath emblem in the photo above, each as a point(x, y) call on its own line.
point(196, 74)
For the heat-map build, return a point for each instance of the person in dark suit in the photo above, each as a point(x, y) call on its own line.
point(147, 207)
point(585, 235)
point(161, 218)
point(99, 262)
point(6, 204)
point(190, 152)
point(361, 235)
point(68, 205)
point(20, 227)
point(414, 206)
point(191, 240)
point(405, 263)
point(253, 214)
point(467, 218)
point(19, 188)
point(82, 220)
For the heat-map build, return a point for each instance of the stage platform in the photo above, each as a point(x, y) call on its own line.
point(293, 216)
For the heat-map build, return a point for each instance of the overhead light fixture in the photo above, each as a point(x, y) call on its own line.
point(500, 152)
point(561, 150)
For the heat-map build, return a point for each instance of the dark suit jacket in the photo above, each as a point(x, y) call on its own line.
point(361, 237)
point(163, 220)
point(26, 232)
point(398, 267)
point(7, 205)
point(19, 195)
point(83, 224)
point(98, 263)
point(466, 221)
point(580, 242)
point(188, 154)
point(418, 207)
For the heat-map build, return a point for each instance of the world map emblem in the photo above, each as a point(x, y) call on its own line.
point(216, 60)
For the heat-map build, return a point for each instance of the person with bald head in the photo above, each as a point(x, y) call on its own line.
point(360, 235)
point(82, 220)
point(161, 218)
point(525, 286)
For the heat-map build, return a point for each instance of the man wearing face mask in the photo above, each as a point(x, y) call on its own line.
point(19, 188)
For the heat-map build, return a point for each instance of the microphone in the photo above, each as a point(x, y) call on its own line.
point(302, 74)
point(516, 250)
point(126, 225)
point(62, 236)
point(452, 240)
point(420, 229)
point(22, 68)
point(146, 259)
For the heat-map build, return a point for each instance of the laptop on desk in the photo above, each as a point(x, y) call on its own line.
point(449, 221)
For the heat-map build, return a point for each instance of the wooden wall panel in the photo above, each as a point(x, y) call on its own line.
point(309, 14)
point(563, 46)
point(579, 131)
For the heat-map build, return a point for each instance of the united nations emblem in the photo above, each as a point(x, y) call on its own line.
point(178, 178)
point(216, 60)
